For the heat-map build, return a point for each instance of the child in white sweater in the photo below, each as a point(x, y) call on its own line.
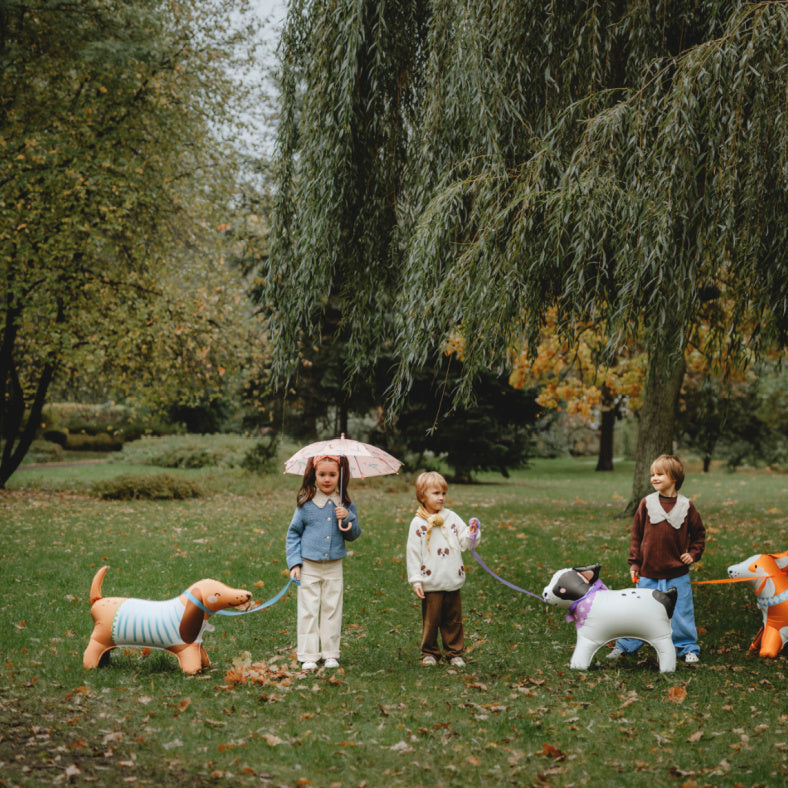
point(436, 540)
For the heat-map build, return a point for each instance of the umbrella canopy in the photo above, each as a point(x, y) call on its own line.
point(364, 460)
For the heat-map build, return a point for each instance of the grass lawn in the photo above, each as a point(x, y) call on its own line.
point(516, 715)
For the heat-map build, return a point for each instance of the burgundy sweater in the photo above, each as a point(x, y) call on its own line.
point(656, 548)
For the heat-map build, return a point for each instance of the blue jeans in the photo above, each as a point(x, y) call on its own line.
point(682, 624)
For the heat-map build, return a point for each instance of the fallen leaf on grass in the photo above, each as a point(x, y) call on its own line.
point(475, 645)
point(722, 768)
point(697, 736)
point(630, 698)
point(553, 752)
point(259, 673)
point(401, 746)
point(676, 694)
point(271, 740)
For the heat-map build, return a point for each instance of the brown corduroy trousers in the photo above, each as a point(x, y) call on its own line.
point(441, 611)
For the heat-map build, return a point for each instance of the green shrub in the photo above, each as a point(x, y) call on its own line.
point(262, 456)
point(161, 486)
point(44, 451)
point(102, 441)
point(189, 451)
point(119, 421)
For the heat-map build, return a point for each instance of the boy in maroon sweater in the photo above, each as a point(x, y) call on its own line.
point(667, 536)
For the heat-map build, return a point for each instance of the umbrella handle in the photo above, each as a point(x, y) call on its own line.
point(342, 528)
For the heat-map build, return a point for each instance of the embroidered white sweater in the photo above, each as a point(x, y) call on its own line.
point(438, 567)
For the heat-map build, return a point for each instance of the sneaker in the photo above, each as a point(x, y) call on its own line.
point(309, 665)
point(615, 653)
point(331, 663)
point(458, 662)
point(428, 661)
point(691, 658)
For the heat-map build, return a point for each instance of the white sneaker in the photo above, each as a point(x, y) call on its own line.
point(331, 663)
point(458, 662)
point(691, 658)
point(429, 661)
point(615, 653)
point(309, 665)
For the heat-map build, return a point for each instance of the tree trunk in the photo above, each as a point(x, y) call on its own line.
point(18, 436)
point(657, 426)
point(343, 418)
point(610, 409)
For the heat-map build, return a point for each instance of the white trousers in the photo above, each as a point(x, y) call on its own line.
point(319, 610)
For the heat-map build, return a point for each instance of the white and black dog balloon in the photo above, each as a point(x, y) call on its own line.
point(602, 615)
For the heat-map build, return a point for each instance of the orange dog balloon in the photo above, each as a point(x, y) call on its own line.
point(175, 625)
point(768, 578)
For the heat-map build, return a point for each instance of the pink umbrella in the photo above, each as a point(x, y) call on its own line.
point(363, 459)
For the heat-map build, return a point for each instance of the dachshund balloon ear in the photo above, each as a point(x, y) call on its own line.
point(193, 617)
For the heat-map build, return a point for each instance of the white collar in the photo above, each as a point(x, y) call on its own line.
point(320, 499)
point(675, 516)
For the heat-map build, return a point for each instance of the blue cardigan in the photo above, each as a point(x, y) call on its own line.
point(314, 533)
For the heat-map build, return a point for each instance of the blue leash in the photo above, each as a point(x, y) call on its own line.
point(262, 606)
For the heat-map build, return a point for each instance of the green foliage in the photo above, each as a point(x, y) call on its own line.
point(120, 421)
point(493, 433)
point(516, 716)
point(742, 422)
point(349, 94)
point(622, 164)
point(190, 451)
point(44, 451)
point(101, 441)
point(157, 487)
point(628, 213)
point(115, 183)
point(263, 455)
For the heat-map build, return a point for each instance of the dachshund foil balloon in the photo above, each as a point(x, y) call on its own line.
point(767, 575)
point(175, 625)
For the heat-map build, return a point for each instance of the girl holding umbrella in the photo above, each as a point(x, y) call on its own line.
point(324, 519)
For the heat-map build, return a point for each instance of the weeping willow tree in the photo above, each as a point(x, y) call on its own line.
point(348, 100)
point(622, 164)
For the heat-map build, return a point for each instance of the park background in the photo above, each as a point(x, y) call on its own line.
point(531, 246)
